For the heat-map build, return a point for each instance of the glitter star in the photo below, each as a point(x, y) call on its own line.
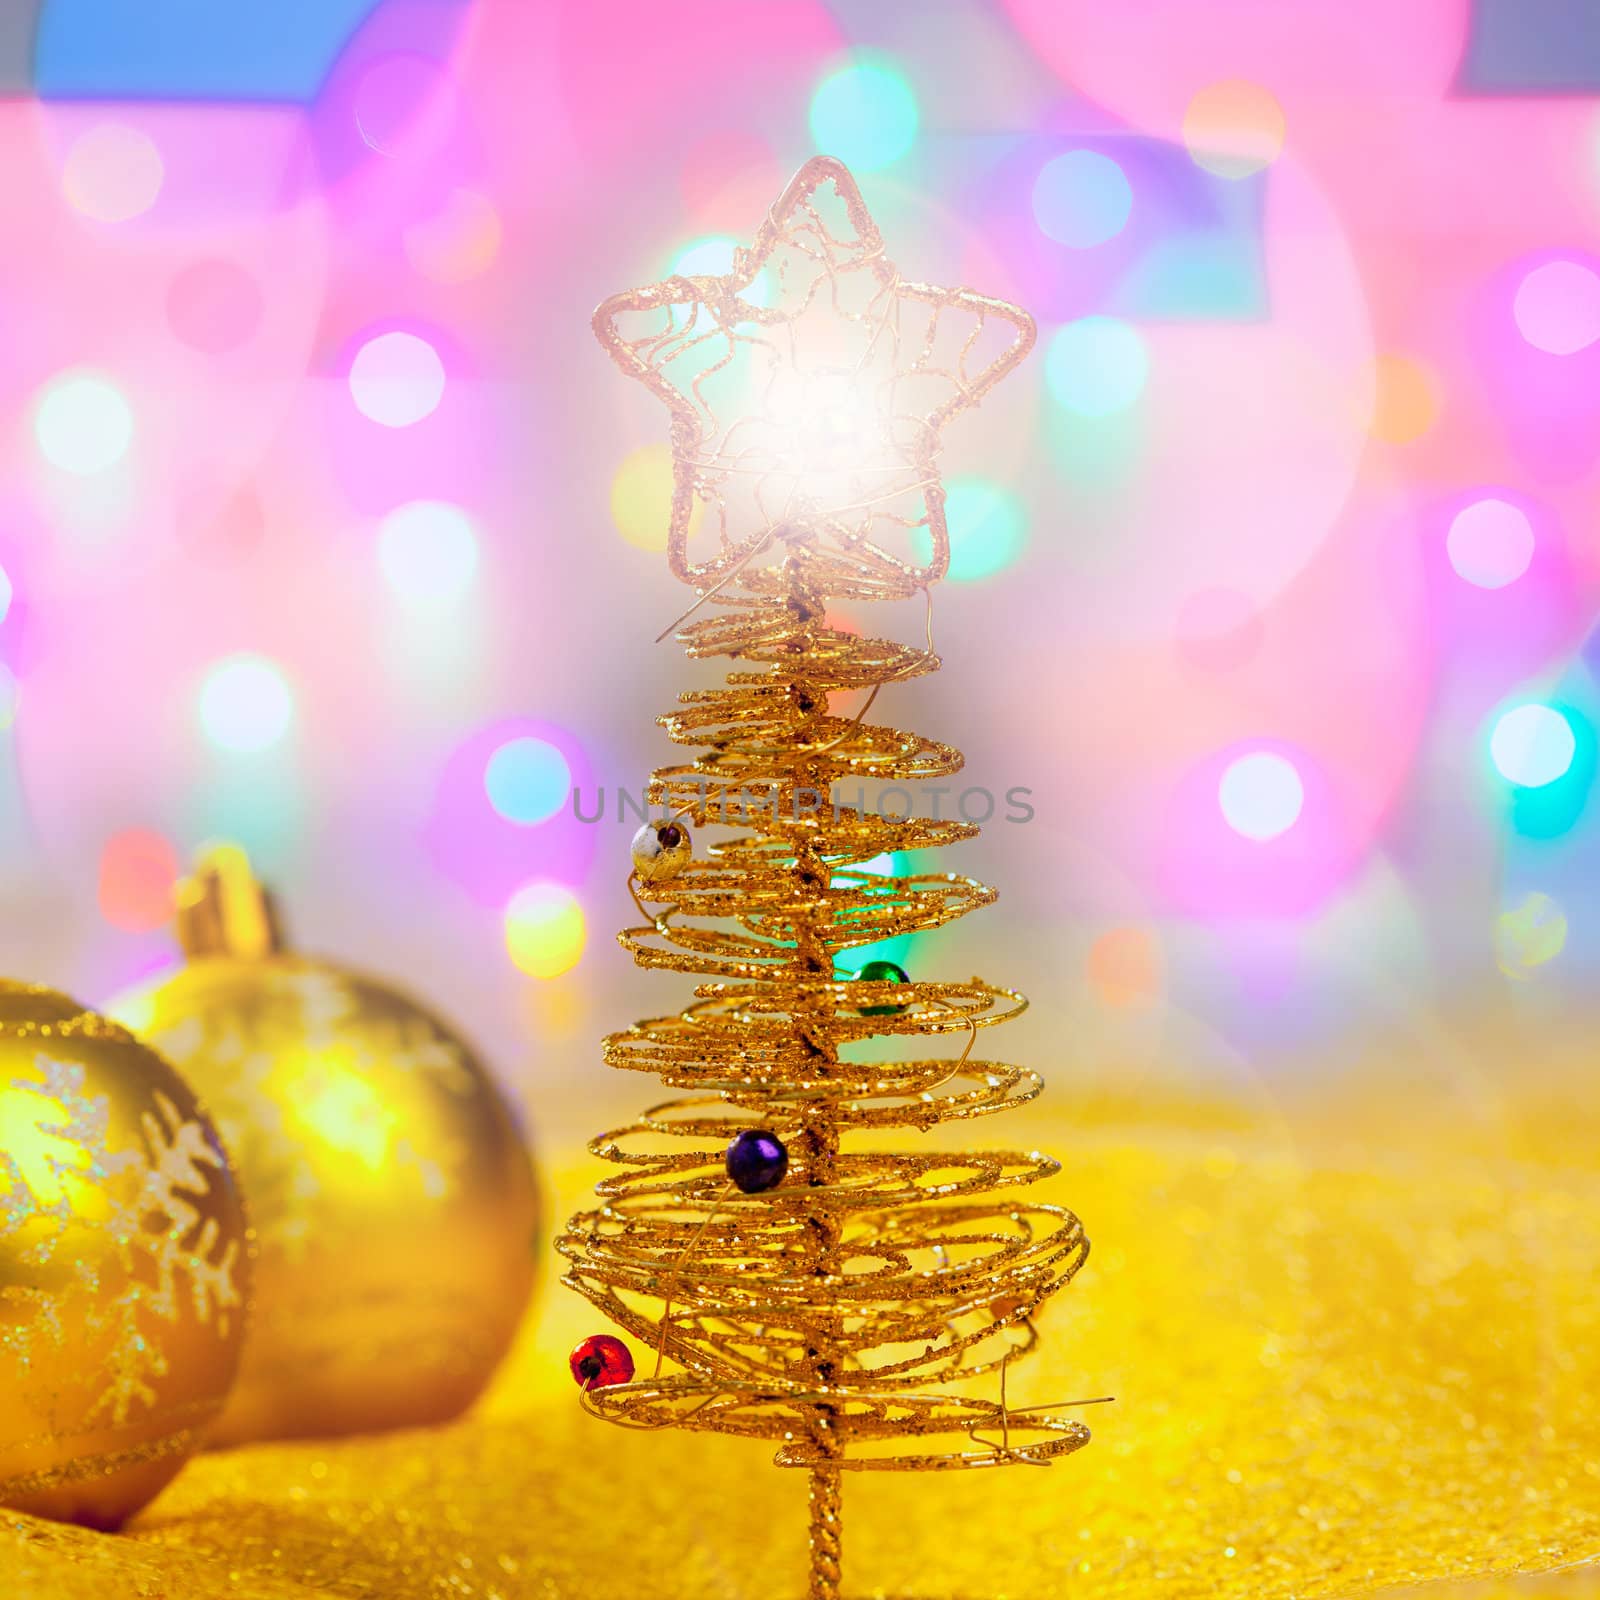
point(808, 389)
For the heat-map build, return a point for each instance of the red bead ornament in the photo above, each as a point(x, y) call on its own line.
point(600, 1361)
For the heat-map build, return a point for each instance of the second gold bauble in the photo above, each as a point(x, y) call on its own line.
point(390, 1189)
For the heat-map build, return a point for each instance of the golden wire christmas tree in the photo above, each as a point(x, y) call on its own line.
point(789, 1285)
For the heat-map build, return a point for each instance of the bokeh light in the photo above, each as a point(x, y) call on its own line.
point(865, 114)
point(1096, 366)
point(138, 871)
point(1550, 810)
point(1490, 543)
point(428, 552)
point(713, 256)
point(1261, 795)
point(1405, 401)
point(82, 423)
point(545, 930)
point(482, 849)
point(1082, 198)
point(10, 697)
point(1532, 745)
point(527, 780)
point(245, 704)
point(397, 379)
point(1529, 934)
point(1124, 968)
point(112, 172)
point(6, 594)
point(987, 525)
point(641, 498)
point(1233, 128)
point(1259, 826)
point(1557, 307)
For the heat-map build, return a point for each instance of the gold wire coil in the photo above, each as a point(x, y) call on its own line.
point(818, 1314)
point(871, 1417)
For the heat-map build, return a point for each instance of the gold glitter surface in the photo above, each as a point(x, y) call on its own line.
point(1356, 1349)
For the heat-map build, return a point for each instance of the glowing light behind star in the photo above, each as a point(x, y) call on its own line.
point(714, 257)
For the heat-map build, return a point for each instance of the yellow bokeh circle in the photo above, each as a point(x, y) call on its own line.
point(1529, 934)
point(641, 498)
point(1405, 400)
point(545, 930)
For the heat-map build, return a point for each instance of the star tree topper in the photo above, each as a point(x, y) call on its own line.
point(808, 388)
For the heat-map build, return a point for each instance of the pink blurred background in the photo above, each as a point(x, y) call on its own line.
point(325, 525)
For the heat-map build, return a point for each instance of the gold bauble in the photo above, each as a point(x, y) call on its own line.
point(124, 1264)
point(391, 1192)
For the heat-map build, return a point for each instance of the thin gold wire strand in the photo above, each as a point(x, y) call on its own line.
point(677, 1278)
point(1007, 1413)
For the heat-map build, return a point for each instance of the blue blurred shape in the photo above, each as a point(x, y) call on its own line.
point(1552, 809)
point(244, 50)
point(1532, 46)
point(1187, 248)
point(1206, 274)
point(1197, 255)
